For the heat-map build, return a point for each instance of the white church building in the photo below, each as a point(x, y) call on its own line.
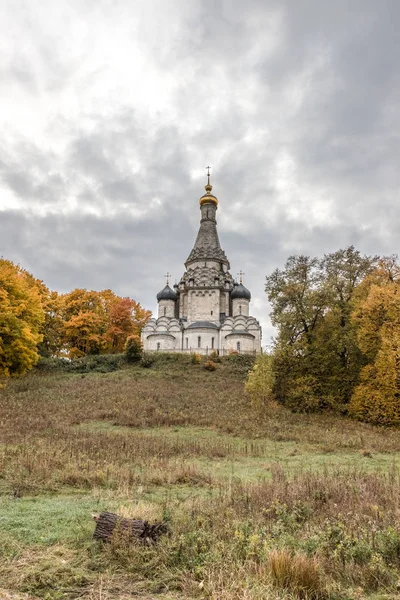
point(207, 311)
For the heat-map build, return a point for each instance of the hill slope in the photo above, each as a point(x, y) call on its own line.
point(257, 502)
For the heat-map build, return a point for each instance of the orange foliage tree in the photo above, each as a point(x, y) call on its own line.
point(21, 319)
point(99, 322)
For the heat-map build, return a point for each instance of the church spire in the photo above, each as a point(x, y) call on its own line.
point(207, 244)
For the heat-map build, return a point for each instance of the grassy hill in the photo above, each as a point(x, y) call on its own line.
point(260, 504)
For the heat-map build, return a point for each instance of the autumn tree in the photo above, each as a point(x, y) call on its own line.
point(260, 381)
point(126, 318)
point(377, 319)
point(52, 326)
point(21, 318)
point(99, 322)
point(84, 318)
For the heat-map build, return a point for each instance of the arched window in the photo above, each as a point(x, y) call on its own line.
point(199, 341)
point(165, 311)
point(187, 343)
point(212, 343)
point(238, 346)
point(158, 345)
point(240, 309)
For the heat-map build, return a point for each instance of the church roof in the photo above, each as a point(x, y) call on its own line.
point(166, 294)
point(203, 325)
point(207, 244)
point(239, 291)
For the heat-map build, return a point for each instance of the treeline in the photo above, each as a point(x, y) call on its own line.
point(338, 342)
point(35, 321)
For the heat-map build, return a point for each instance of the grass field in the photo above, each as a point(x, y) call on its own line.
point(260, 503)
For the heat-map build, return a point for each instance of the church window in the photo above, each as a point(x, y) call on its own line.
point(212, 312)
point(187, 343)
point(199, 341)
point(238, 346)
point(158, 345)
point(212, 343)
point(165, 310)
point(240, 309)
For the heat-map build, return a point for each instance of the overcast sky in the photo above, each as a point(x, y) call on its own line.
point(111, 110)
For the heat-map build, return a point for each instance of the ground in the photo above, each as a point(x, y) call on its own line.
point(260, 502)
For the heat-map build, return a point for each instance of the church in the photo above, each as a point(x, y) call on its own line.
point(207, 310)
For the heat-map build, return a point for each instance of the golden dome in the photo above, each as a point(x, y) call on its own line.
point(208, 197)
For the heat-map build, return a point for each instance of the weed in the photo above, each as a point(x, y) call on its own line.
point(195, 359)
point(209, 365)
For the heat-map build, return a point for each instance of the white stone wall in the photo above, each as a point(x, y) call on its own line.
point(203, 305)
point(210, 264)
point(165, 331)
point(161, 342)
point(190, 339)
point(231, 341)
point(166, 308)
point(240, 306)
point(243, 329)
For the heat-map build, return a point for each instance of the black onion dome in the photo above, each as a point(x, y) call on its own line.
point(166, 294)
point(239, 291)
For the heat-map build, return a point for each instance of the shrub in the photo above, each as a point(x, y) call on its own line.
point(296, 573)
point(214, 356)
point(260, 380)
point(147, 361)
point(103, 363)
point(133, 348)
point(162, 360)
point(195, 359)
point(209, 365)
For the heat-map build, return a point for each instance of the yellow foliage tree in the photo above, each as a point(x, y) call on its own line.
point(377, 316)
point(260, 381)
point(21, 318)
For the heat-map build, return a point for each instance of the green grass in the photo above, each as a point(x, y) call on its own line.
point(48, 520)
point(236, 484)
point(253, 459)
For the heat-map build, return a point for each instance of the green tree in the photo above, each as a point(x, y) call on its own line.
point(316, 360)
point(339, 357)
point(133, 348)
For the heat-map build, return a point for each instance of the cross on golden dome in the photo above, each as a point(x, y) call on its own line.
point(208, 196)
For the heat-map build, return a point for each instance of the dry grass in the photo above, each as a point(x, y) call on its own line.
point(296, 573)
point(300, 532)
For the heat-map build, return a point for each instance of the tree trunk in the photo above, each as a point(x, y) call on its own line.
point(133, 529)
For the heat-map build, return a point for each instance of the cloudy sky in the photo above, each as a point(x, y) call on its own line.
point(112, 109)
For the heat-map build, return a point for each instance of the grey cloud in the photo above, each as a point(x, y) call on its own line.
point(314, 81)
